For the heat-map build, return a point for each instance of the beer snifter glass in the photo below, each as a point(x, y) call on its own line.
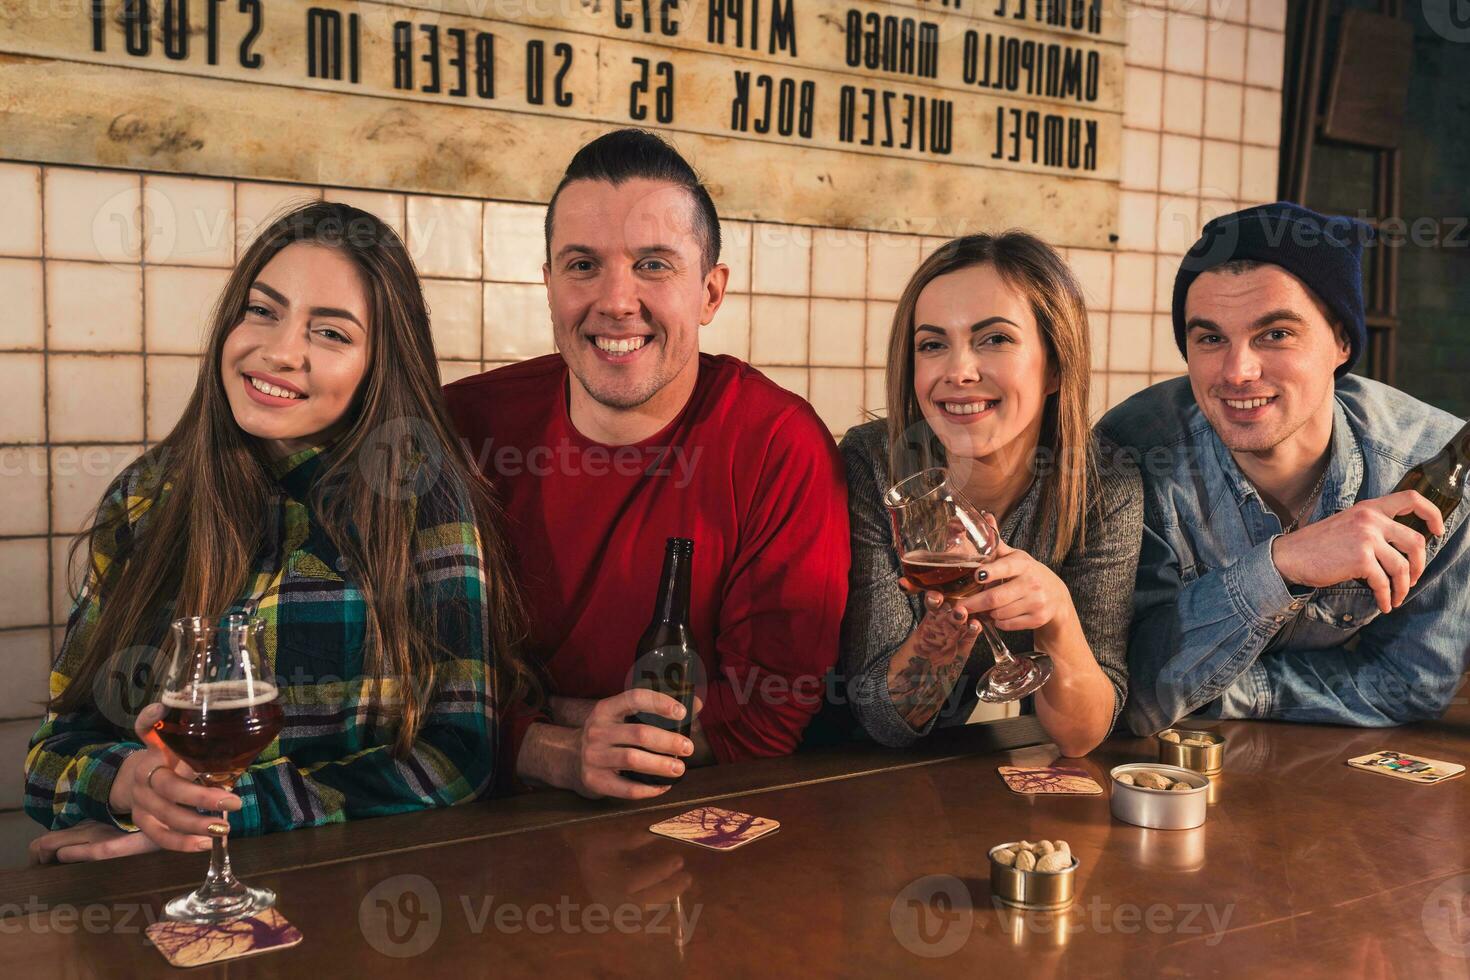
point(942, 540)
point(219, 713)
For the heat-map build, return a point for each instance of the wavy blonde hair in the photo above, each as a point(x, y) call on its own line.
point(1038, 273)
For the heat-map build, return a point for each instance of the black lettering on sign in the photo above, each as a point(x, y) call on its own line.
point(740, 105)
point(212, 31)
point(901, 45)
point(402, 55)
point(663, 98)
point(1075, 15)
point(485, 65)
point(458, 69)
point(783, 105)
point(431, 58)
point(1056, 71)
point(449, 57)
point(176, 29)
point(324, 54)
point(879, 117)
point(668, 24)
point(536, 73)
point(137, 27)
point(249, 58)
point(1049, 139)
point(783, 28)
point(744, 16)
point(560, 94)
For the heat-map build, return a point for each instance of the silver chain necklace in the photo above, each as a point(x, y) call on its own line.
point(1311, 499)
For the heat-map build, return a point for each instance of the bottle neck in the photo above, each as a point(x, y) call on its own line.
point(1460, 445)
point(673, 592)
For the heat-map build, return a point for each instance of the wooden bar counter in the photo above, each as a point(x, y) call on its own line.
point(1304, 867)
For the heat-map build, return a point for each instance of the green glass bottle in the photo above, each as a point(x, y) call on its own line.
point(1440, 479)
point(666, 659)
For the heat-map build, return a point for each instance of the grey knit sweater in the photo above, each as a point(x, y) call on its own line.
point(880, 616)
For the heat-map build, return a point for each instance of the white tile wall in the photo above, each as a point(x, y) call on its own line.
point(444, 236)
point(839, 263)
point(92, 307)
point(177, 306)
point(729, 331)
point(171, 381)
point(188, 221)
point(74, 381)
point(22, 378)
point(837, 332)
point(455, 317)
point(23, 487)
point(20, 189)
point(778, 329)
point(514, 242)
point(21, 283)
point(93, 215)
point(23, 600)
point(781, 262)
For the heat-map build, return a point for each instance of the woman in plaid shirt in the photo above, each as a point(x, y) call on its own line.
point(314, 481)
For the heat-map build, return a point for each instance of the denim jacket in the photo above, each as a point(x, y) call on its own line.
point(1217, 630)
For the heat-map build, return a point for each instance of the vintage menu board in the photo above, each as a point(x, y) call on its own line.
point(927, 116)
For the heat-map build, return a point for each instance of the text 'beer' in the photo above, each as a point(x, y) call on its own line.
point(1440, 479)
point(667, 661)
point(219, 727)
point(949, 574)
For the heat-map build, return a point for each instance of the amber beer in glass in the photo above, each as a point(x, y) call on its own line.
point(1440, 479)
point(953, 576)
point(219, 713)
point(219, 727)
point(942, 540)
point(667, 660)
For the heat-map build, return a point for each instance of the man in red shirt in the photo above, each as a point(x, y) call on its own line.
point(630, 436)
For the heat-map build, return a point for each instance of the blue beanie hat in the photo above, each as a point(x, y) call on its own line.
point(1324, 252)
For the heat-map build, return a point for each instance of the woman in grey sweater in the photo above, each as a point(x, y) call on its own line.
point(988, 372)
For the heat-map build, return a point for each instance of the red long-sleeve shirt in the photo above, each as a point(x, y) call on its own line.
point(747, 470)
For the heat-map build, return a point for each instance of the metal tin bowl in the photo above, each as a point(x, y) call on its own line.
point(1161, 809)
point(1038, 890)
point(1207, 759)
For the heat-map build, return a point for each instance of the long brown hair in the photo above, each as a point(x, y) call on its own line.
point(204, 532)
point(1034, 269)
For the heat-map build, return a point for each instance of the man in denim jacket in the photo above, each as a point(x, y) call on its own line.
point(1274, 581)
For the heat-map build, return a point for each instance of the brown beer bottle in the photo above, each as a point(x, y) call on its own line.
point(1441, 479)
point(666, 660)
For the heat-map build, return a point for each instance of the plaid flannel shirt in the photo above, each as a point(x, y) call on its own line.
point(333, 758)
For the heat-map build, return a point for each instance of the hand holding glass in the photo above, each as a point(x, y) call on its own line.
point(219, 713)
point(942, 540)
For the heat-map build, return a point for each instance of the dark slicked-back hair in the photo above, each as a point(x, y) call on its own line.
point(636, 154)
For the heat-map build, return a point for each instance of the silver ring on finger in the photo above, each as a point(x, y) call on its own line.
point(148, 779)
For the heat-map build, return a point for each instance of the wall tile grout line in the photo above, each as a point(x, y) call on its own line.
point(51, 646)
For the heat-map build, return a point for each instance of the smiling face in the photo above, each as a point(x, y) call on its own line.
point(1262, 356)
point(981, 369)
point(292, 365)
point(628, 291)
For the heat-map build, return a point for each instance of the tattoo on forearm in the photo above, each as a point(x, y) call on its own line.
point(920, 686)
